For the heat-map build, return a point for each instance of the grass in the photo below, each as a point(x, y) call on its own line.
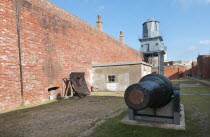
point(208, 79)
point(43, 105)
point(197, 115)
point(195, 90)
point(119, 94)
point(185, 82)
point(113, 128)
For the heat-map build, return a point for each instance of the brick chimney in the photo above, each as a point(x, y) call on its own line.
point(121, 37)
point(99, 23)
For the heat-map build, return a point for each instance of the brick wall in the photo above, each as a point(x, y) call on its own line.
point(203, 66)
point(174, 72)
point(188, 71)
point(53, 44)
point(194, 69)
point(9, 64)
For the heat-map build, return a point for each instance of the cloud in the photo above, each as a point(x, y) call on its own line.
point(192, 48)
point(204, 42)
point(185, 4)
point(101, 7)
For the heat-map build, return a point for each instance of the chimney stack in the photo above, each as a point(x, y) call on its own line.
point(99, 23)
point(121, 37)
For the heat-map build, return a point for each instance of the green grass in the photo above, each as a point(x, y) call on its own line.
point(113, 128)
point(185, 82)
point(119, 94)
point(208, 79)
point(195, 90)
point(197, 118)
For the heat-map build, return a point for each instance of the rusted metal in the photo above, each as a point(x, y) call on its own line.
point(136, 97)
point(79, 84)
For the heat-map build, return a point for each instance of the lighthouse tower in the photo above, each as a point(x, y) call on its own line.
point(152, 45)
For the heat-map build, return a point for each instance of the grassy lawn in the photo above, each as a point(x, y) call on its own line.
point(208, 79)
point(185, 82)
point(195, 90)
point(197, 115)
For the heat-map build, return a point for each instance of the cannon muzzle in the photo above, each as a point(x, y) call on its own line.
point(152, 90)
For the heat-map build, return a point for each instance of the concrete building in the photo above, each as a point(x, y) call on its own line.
point(118, 76)
point(152, 45)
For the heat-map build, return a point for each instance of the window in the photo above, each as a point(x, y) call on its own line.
point(156, 44)
point(142, 45)
point(111, 78)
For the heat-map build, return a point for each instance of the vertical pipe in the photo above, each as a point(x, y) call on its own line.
point(19, 49)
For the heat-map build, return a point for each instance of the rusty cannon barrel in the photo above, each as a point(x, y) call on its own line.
point(152, 90)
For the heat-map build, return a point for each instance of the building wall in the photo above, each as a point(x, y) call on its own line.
point(10, 94)
point(151, 45)
point(125, 75)
point(194, 69)
point(53, 44)
point(174, 72)
point(203, 65)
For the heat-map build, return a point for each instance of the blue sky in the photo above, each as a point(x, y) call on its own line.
point(184, 24)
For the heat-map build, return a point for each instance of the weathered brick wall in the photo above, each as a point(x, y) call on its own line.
point(187, 71)
point(53, 44)
point(174, 72)
point(203, 65)
point(10, 95)
point(194, 69)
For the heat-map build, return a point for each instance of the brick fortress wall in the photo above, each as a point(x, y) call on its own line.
point(203, 66)
point(194, 69)
point(53, 43)
point(174, 72)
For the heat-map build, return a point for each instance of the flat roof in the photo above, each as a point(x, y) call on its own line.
point(119, 64)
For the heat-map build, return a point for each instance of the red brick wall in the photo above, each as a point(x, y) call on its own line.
point(174, 72)
point(203, 65)
point(53, 44)
point(194, 69)
point(188, 71)
point(9, 64)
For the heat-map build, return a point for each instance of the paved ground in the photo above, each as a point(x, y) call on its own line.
point(71, 117)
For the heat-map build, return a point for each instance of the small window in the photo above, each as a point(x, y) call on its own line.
point(142, 45)
point(156, 44)
point(111, 78)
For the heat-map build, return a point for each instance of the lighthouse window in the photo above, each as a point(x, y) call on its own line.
point(156, 44)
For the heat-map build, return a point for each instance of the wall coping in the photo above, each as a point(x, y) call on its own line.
point(119, 64)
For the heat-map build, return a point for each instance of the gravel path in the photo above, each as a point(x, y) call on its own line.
point(70, 117)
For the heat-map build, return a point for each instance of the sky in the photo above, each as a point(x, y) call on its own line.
point(184, 24)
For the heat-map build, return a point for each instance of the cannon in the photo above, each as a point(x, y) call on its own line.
point(153, 98)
